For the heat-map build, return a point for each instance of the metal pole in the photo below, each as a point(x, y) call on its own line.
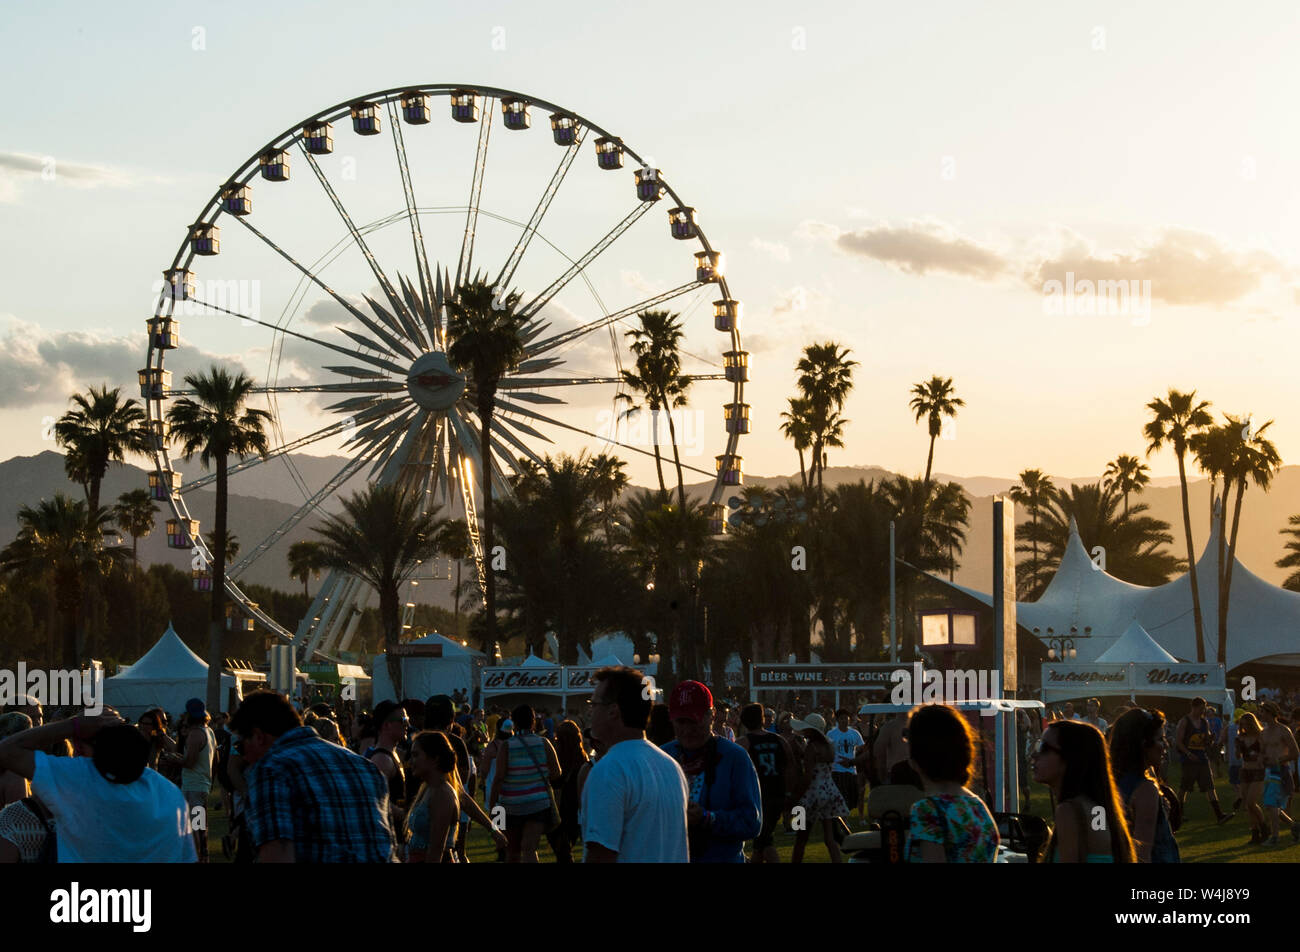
point(893, 606)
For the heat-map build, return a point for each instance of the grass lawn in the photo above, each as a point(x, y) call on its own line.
point(1201, 840)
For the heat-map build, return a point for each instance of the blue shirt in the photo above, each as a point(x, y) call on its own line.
point(329, 802)
point(732, 799)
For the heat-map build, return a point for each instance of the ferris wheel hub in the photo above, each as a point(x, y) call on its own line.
point(433, 384)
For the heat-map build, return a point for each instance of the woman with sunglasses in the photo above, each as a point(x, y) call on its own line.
point(1090, 827)
point(1137, 744)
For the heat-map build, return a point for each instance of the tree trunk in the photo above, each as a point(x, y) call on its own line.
point(486, 399)
point(455, 595)
point(929, 459)
point(1191, 563)
point(1227, 575)
point(803, 477)
point(217, 620)
point(391, 620)
point(681, 483)
point(654, 438)
point(136, 640)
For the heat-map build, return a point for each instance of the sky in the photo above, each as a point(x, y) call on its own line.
point(927, 184)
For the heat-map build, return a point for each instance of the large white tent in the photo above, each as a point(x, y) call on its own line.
point(454, 669)
point(167, 676)
point(1263, 619)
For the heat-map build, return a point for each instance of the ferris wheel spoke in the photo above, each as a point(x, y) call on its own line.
point(382, 428)
point(604, 438)
point(373, 359)
point(544, 203)
point(401, 323)
point(506, 434)
point(308, 273)
point(475, 192)
point(550, 343)
point(348, 470)
point(417, 234)
point(394, 348)
point(470, 448)
point(375, 386)
point(556, 286)
point(334, 429)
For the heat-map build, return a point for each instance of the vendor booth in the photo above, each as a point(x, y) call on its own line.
point(434, 664)
point(170, 674)
point(543, 684)
point(1135, 665)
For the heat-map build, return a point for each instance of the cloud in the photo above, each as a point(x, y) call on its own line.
point(19, 168)
point(42, 367)
point(919, 247)
point(1185, 267)
point(774, 248)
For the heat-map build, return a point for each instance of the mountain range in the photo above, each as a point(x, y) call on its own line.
point(271, 493)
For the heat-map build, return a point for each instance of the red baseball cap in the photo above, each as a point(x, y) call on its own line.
point(691, 700)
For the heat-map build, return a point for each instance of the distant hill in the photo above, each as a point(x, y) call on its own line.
point(267, 496)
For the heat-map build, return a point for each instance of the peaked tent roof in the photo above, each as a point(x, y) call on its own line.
point(450, 647)
point(532, 661)
point(1263, 619)
point(168, 660)
point(1135, 645)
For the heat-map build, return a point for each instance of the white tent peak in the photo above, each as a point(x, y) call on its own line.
point(1135, 645)
point(167, 658)
point(532, 661)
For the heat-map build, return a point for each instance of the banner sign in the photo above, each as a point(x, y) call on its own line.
point(578, 680)
point(1079, 679)
point(793, 676)
point(523, 680)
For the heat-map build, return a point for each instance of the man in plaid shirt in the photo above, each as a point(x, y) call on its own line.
point(309, 801)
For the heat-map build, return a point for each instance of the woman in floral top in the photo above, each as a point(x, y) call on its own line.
point(949, 824)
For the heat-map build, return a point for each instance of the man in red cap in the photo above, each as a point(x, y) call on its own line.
point(725, 806)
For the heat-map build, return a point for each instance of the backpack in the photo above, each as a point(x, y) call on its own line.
point(50, 847)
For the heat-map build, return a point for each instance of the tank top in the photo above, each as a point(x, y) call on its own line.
point(1164, 848)
point(1248, 748)
point(525, 788)
point(768, 754)
point(418, 821)
point(397, 782)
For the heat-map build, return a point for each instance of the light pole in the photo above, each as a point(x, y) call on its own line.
point(1063, 647)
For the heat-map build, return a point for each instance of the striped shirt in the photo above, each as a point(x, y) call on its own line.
point(525, 788)
point(329, 802)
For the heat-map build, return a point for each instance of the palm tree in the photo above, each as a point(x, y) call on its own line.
point(1133, 543)
point(454, 542)
point(101, 429)
point(60, 547)
point(1033, 492)
point(134, 513)
point(381, 538)
point(611, 480)
point(231, 546)
point(217, 424)
point(1173, 422)
point(305, 562)
point(1126, 474)
point(657, 347)
point(934, 399)
point(1255, 459)
point(1292, 558)
point(487, 342)
point(797, 428)
point(825, 380)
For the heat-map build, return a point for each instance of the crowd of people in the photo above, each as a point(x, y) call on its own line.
point(690, 780)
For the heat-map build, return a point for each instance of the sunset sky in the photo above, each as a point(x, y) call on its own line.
point(900, 178)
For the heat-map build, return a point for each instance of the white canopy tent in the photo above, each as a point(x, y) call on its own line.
point(167, 676)
point(1263, 619)
point(434, 664)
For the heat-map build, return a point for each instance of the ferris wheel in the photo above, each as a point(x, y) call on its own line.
point(399, 410)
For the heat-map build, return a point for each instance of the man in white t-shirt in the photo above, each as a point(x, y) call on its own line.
point(108, 807)
point(845, 741)
point(634, 800)
point(1094, 717)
